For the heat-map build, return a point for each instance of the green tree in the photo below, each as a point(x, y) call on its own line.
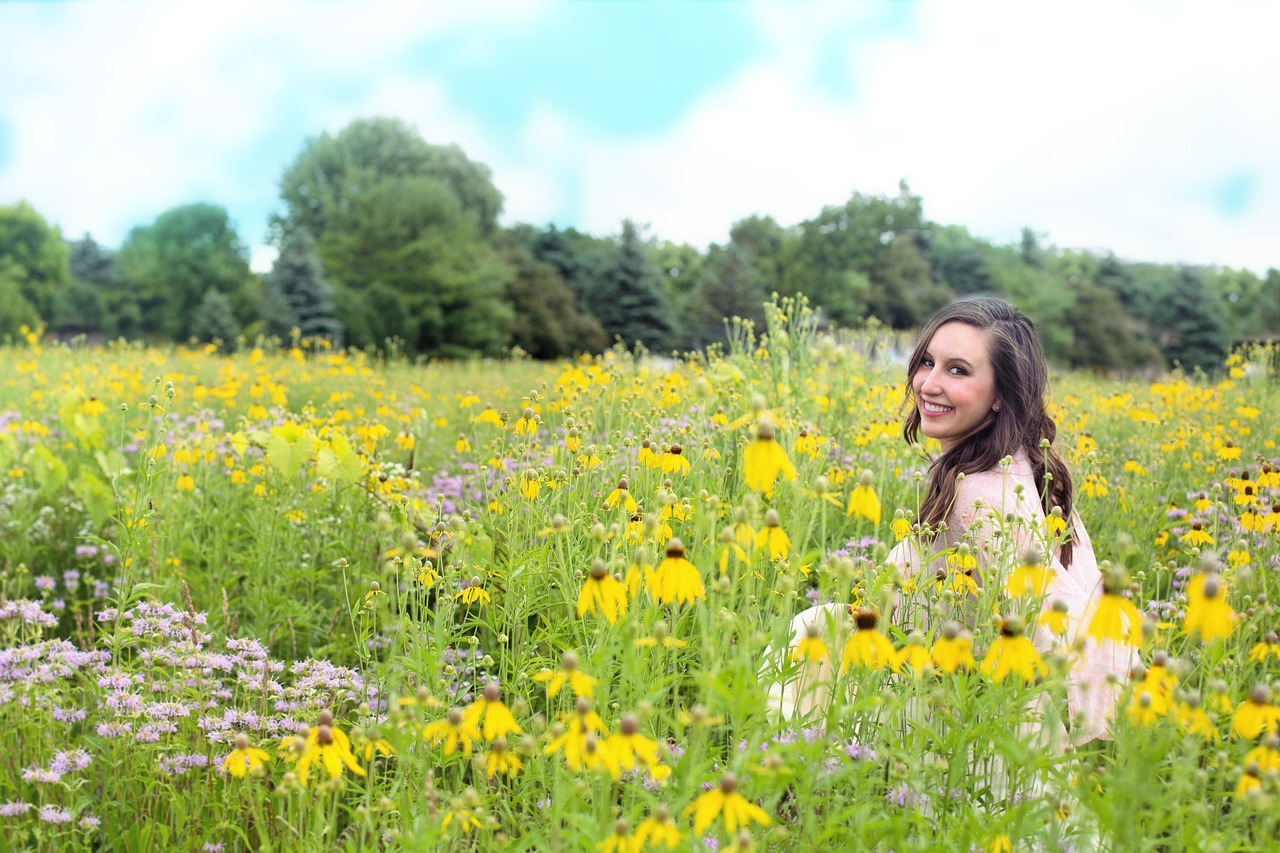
point(545, 320)
point(214, 320)
point(296, 283)
point(170, 266)
point(34, 259)
point(956, 259)
point(386, 208)
point(632, 303)
point(1194, 327)
point(731, 288)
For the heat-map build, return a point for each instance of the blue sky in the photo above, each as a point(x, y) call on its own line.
point(1145, 127)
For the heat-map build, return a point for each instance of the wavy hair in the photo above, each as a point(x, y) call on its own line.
point(1021, 423)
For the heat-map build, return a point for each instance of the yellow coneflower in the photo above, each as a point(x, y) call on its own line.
point(1208, 612)
point(527, 424)
point(730, 550)
point(676, 580)
point(1194, 719)
point(1030, 578)
point(900, 526)
point(808, 443)
point(661, 636)
point(1249, 781)
point(1256, 714)
point(811, 648)
point(674, 461)
point(630, 747)
point(658, 829)
point(1270, 645)
point(772, 539)
point(863, 501)
point(764, 459)
point(500, 760)
point(621, 496)
point(638, 573)
point(724, 801)
point(1197, 536)
point(1266, 755)
point(744, 534)
point(243, 758)
point(620, 841)
point(1012, 653)
point(1055, 617)
point(579, 682)
point(647, 455)
point(953, 650)
point(529, 485)
point(868, 648)
point(915, 655)
point(332, 754)
point(473, 593)
point(497, 718)
point(602, 593)
point(577, 735)
point(1115, 617)
point(455, 732)
point(719, 418)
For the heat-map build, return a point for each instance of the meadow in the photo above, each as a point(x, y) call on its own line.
point(305, 599)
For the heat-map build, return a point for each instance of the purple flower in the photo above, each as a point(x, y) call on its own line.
point(86, 550)
point(70, 578)
point(46, 582)
point(89, 822)
point(53, 814)
point(13, 809)
point(68, 715)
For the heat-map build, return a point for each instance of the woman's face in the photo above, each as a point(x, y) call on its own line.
point(955, 385)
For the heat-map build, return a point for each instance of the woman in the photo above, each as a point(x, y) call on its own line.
point(977, 383)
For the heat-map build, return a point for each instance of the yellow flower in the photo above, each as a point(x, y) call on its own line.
point(1208, 613)
point(1055, 617)
point(1256, 714)
point(661, 636)
point(915, 656)
point(999, 844)
point(1013, 653)
point(497, 717)
point(455, 731)
point(501, 760)
point(602, 593)
point(724, 801)
point(1266, 755)
point(473, 593)
point(630, 747)
point(186, 483)
point(463, 815)
point(621, 496)
point(575, 737)
point(811, 648)
point(863, 501)
point(763, 460)
point(1030, 578)
point(730, 550)
point(900, 527)
point(868, 648)
point(620, 841)
point(1197, 536)
point(1195, 720)
point(658, 829)
point(527, 423)
point(1116, 618)
point(462, 445)
point(1095, 486)
point(676, 580)
point(244, 758)
point(808, 444)
point(1228, 451)
point(674, 461)
point(772, 538)
point(1249, 782)
point(648, 456)
point(1270, 645)
point(579, 682)
point(332, 754)
point(529, 486)
point(953, 650)
point(1238, 557)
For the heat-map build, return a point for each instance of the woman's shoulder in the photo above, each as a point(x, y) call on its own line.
point(996, 487)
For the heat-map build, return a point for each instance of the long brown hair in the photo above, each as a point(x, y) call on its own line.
point(1021, 422)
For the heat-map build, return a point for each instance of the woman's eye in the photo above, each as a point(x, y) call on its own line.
point(928, 362)
point(957, 371)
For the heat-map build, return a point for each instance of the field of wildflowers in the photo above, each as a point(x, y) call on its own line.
point(300, 599)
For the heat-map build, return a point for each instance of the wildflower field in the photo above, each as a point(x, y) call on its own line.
point(301, 599)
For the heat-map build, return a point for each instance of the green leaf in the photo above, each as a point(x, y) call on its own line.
point(98, 498)
point(50, 471)
point(338, 461)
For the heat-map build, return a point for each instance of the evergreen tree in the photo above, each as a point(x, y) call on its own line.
point(214, 320)
point(732, 288)
point(546, 321)
point(296, 283)
point(630, 302)
point(1194, 328)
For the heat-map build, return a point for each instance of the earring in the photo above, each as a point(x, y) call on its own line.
point(996, 407)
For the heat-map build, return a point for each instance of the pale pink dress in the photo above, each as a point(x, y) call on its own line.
point(982, 502)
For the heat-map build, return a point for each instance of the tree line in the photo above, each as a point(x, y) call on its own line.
point(387, 240)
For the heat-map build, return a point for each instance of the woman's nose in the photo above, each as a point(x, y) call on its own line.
point(930, 382)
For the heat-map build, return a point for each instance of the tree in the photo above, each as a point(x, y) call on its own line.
point(387, 209)
point(956, 259)
point(545, 320)
point(1194, 329)
point(632, 304)
point(731, 288)
point(295, 291)
point(33, 259)
point(215, 321)
point(171, 265)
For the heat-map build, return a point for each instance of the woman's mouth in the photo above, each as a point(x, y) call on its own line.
point(933, 409)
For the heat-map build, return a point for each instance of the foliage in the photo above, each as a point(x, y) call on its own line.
point(33, 260)
point(545, 319)
point(630, 300)
point(299, 295)
point(215, 321)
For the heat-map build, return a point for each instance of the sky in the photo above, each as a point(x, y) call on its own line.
point(1150, 129)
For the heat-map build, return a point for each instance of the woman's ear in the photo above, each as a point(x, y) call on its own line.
point(996, 406)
